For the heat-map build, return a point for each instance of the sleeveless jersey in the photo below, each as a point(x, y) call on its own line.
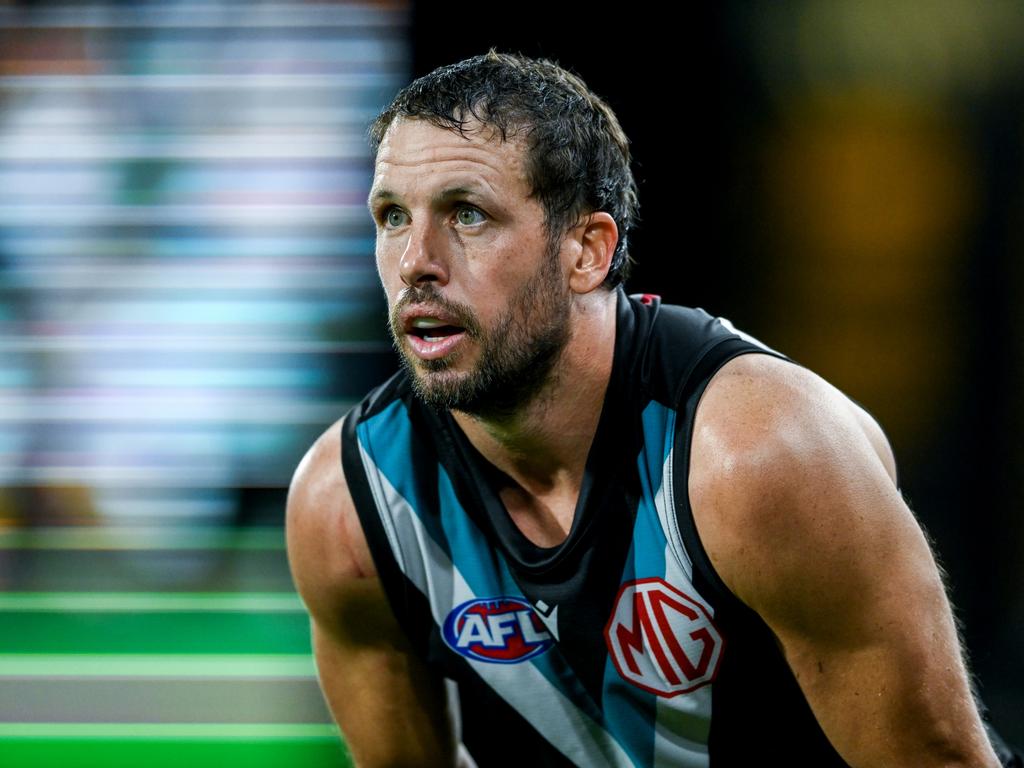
point(619, 647)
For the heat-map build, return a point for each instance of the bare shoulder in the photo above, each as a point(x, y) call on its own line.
point(781, 457)
point(759, 403)
point(327, 550)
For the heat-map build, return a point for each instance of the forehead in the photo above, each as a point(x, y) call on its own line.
point(415, 154)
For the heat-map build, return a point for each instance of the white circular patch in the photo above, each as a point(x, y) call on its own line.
point(662, 640)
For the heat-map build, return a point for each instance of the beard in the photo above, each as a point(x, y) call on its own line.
point(516, 357)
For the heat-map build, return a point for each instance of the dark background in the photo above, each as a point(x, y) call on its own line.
point(843, 182)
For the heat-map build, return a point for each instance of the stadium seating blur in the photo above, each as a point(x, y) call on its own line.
point(187, 298)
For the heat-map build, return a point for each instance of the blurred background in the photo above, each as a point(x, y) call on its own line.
point(188, 297)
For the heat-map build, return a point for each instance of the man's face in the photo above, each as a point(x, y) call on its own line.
point(479, 302)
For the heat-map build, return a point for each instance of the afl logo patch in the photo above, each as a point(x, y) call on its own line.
point(503, 630)
point(661, 639)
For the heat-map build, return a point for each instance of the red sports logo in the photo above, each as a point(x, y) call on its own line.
point(662, 640)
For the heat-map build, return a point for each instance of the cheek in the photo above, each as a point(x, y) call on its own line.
point(382, 254)
point(387, 271)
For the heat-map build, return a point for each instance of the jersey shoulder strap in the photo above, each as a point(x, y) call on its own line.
point(383, 463)
point(721, 343)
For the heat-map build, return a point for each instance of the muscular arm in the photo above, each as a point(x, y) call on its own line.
point(793, 495)
point(391, 710)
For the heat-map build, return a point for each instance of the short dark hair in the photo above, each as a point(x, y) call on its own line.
point(577, 154)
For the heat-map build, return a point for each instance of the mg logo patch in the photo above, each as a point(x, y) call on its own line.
point(501, 630)
point(662, 640)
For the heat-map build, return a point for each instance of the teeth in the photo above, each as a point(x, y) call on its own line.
point(427, 322)
point(432, 338)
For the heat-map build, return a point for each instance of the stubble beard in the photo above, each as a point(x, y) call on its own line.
point(517, 357)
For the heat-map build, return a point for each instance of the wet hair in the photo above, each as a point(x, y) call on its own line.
point(577, 155)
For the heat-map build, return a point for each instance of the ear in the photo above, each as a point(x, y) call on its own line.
point(596, 237)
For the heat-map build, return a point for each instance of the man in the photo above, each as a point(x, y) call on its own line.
point(629, 534)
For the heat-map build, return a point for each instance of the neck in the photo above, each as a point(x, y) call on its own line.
point(545, 443)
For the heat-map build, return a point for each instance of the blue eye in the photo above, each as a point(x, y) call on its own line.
point(469, 216)
point(394, 217)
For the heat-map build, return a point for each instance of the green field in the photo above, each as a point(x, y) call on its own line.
point(132, 648)
point(93, 745)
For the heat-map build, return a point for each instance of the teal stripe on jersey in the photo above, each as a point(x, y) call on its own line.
point(557, 719)
point(648, 535)
point(630, 710)
point(386, 438)
point(488, 575)
point(484, 570)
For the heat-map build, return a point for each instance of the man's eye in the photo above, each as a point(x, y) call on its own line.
point(468, 216)
point(394, 217)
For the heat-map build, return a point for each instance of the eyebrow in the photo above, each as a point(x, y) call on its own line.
point(445, 194)
point(380, 194)
point(451, 192)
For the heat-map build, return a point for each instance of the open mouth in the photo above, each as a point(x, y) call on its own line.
point(431, 330)
point(433, 338)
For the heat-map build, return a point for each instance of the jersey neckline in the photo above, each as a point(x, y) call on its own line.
point(605, 450)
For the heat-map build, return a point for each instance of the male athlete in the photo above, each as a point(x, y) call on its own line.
point(627, 534)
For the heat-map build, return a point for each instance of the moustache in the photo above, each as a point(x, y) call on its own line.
point(429, 296)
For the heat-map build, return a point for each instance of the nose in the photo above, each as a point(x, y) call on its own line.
point(423, 260)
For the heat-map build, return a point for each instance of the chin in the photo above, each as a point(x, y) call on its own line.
point(438, 395)
point(435, 381)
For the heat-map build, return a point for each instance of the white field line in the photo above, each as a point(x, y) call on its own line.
point(187, 666)
point(191, 731)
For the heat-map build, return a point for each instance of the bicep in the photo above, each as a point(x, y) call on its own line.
point(805, 524)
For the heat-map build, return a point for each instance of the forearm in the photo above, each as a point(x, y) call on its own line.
point(895, 702)
point(888, 694)
point(391, 711)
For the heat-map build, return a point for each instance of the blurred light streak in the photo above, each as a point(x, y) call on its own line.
point(185, 180)
point(143, 539)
